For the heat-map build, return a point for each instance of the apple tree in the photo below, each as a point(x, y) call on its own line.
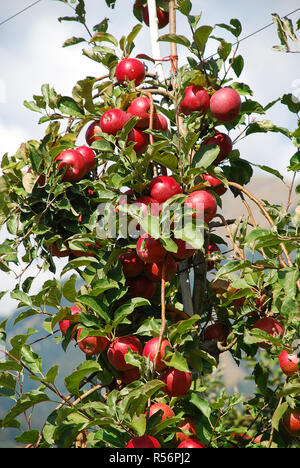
point(155, 293)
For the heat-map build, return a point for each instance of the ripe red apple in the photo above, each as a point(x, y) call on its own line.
point(141, 287)
point(211, 249)
point(130, 375)
point(145, 441)
point(177, 382)
point(130, 69)
point(162, 16)
point(74, 163)
point(119, 347)
point(185, 250)
point(92, 345)
point(56, 252)
point(65, 324)
point(153, 271)
point(113, 120)
point(144, 202)
point(92, 130)
point(225, 104)
point(223, 141)
point(141, 107)
point(132, 264)
point(160, 122)
point(291, 421)
point(191, 443)
point(217, 331)
point(140, 139)
point(88, 253)
point(150, 250)
point(164, 187)
point(89, 157)
point(196, 99)
point(189, 426)
point(289, 363)
point(151, 348)
point(215, 184)
point(270, 326)
point(167, 411)
point(204, 203)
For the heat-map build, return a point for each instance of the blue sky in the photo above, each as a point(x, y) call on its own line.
point(31, 55)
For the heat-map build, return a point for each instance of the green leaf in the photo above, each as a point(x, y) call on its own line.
point(67, 105)
point(175, 38)
point(73, 40)
point(69, 289)
point(201, 404)
point(201, 36)
point(238, 65)
point(104, 37)
point(205, 156)
point(31, 359)
point(28, 437)
point(178, 362)
point(73, 380)
point(94, 304)
point(26, 401)
point(278, 414)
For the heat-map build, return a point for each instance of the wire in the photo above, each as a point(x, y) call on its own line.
point(256, 32)
point(19, 12)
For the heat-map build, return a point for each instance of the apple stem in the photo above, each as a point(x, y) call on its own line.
point(153, 24)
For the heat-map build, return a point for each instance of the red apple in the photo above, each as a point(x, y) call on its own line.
point(215, 184)
point(216, 331)
point(151, 348)
point(153, 271)
point(164, 187)
point(191, 443)
point(167, 411)
point(160, 122)
point(141, 287)
point(65, 324)
point(92, 345)
point(177, 382)
point(270, 326)
point(150, 250)
point(196, 99)
point(189, 426)
point(144, 202)
point(145, 441)
point(56, 252)
point(119, 348)
point(130, 375)
point(141, 107)
point(289, 363)
point(130, 69)
point(89, 157)
point(185, 250)
point(211, 249)
point(113, 120)
point(223, 141)
point(92, 130)
point(132, 264)
point(88, 253)
point(291, 421)
point(204, 203)
point(140, 139)
point(225, 104)
point(74, 163)
point(162, 16)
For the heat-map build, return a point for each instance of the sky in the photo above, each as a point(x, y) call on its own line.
point(31, 55)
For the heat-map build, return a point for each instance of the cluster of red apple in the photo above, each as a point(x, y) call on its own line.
point(177, 383)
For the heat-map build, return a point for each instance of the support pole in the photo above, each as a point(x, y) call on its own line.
point(156, 53)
